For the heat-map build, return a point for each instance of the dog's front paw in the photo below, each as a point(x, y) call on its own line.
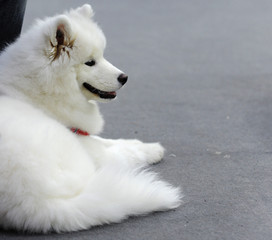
point(154, 152)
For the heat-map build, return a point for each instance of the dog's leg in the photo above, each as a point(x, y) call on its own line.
point(126, 152)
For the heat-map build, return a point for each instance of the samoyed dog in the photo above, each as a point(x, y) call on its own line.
point(55, 173)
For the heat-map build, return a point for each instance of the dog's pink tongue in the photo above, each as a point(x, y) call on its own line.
point(112, 93)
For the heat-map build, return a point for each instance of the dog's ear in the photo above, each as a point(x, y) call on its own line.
point(86, 10)
point(63, 30)
point(61, 37)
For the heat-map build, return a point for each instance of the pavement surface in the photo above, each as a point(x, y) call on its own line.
point(200, 82)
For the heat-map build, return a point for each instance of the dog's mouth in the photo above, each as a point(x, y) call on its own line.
point(100, 93)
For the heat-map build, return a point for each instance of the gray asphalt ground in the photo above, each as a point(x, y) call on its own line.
point(200, 82)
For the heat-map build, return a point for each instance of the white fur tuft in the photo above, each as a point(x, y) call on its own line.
point(110, 196)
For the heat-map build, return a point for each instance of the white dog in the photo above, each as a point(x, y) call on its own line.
point(55, 174)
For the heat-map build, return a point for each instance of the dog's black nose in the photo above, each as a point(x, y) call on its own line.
point(122, 78)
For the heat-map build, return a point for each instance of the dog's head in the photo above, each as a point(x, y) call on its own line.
point(77, 44)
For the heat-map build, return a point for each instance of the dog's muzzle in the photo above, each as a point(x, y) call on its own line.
point(122, 79)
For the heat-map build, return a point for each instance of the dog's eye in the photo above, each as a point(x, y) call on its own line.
point(90, 63)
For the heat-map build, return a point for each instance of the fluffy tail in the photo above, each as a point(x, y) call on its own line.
point(110, 196)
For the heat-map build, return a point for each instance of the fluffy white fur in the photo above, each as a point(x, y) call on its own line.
point(50, 178)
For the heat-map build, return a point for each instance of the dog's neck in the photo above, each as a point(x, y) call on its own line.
point(70, 109)
point(73, 112)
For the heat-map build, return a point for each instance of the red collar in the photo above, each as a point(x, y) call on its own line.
point(78, 131)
